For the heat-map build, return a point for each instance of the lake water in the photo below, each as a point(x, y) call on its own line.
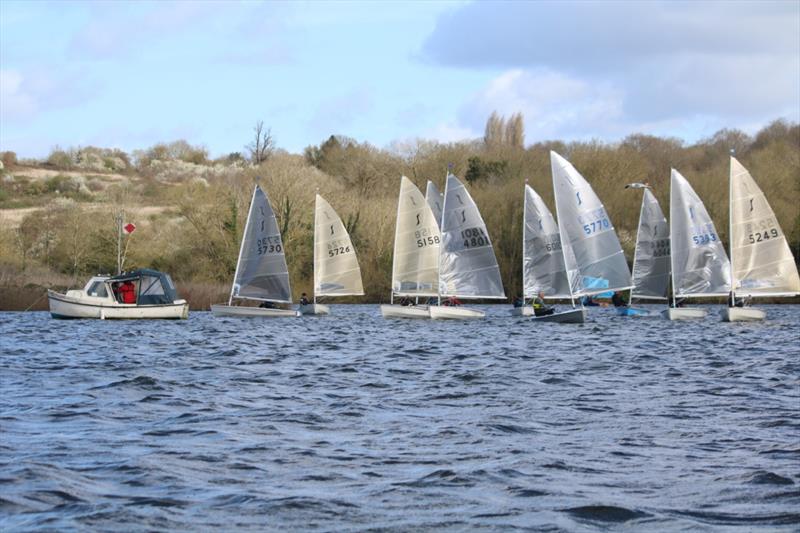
point(352, 422)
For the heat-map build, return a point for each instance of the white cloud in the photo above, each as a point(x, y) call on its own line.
point(16, 102)
point(553, 104)
point(25, 94)
point(632, 63)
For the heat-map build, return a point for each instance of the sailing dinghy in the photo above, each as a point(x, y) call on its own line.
point(698, 262)
point(761, 261)
point(592, 253)
point(651, 255)
point(336, 270)
point(415, 264)
point(467, 264)
point(543, 268)
point(261, 272)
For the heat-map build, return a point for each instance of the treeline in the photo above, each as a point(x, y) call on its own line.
point(198, 205)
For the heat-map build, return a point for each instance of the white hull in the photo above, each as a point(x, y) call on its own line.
point(404, 311)
point(314, 309)
point(76, 306)
point(241, 311)
point(444, 312)
point(522, 311)
point(684, 313)
point(742, 314)
point(573, 316)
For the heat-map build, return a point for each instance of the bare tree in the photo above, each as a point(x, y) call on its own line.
point(515, 131)
point(263, 144)
point(495, 127)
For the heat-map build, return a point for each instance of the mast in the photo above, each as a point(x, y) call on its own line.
point(316, 209)
point(119, 243)
point(241, 246)
point(394, 250)
point(671, 233)
point(564, 242)
point(636, 246)
point(441, 228)
point(524, 240)
point(732, 301)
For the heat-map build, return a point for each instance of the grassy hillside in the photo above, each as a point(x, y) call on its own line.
point(57, 216)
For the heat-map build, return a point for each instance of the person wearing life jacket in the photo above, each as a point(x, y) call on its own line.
point(539, 307)
point(127, 292)
point(618, 300)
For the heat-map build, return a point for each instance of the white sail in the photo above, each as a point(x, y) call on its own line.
point(651, 258)
point(584, 225)
point(435, 200)
point(761, 261)
point(700, 266)
point(336, 270)
point(261, 272)
point(467, 266)
point(543, 267)
point(415, 268)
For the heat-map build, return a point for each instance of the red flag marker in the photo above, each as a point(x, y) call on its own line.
point(129, 228)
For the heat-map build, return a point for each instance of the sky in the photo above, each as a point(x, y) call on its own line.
point(131, 74)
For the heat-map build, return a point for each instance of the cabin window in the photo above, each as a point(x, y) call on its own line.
point(151, 286)
point(98, 288)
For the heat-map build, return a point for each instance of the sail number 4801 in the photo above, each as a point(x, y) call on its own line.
point(475, 237)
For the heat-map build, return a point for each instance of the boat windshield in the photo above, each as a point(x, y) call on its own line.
point(98, 288)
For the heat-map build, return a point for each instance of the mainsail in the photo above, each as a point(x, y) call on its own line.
point(761, 261)
point(468, 267)
point(700, 266)
point(261, 272)
point(435, 200)
point(543, 266)
point(651, 258)
point(585, 227)
point(415, 268)
point(336, 270)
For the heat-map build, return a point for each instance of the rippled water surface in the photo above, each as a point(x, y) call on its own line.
point(353, 422)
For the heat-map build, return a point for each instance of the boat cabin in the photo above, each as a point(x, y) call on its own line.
point(138, 287)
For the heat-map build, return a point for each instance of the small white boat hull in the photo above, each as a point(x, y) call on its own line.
point(522, 311)
point(444, 312)
point(242, 311)
point(573, 316)
point(404, 311)
point(742, 314)
point(75, 305)
point(314, 309)
point(684, 313)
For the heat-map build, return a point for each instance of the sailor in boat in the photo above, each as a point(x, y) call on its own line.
point(519, 301)
point(405, 301)
point(733, 301)
point(540, 308)
point(588, 301)
point(268, 305)
point(127, 292)
point(452, 301)
point(618, 300)
point(304, 299)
